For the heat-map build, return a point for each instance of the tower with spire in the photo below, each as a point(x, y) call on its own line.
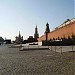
point(47, 30)
point(36, 35)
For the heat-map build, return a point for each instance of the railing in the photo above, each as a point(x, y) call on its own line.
point(62, 49)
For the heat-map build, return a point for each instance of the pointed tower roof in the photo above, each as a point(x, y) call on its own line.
point(47, 28)
point(36, 35)
point(36, 30)
point(19, 34)
point(36, 27)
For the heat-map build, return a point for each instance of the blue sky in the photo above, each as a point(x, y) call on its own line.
point(24, 15)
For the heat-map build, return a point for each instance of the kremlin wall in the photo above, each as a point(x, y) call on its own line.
point(65, 30)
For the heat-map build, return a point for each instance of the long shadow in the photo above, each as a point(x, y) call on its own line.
point(71, 51)
point(31, 49)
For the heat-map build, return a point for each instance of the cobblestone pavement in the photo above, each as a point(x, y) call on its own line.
point(35, 62)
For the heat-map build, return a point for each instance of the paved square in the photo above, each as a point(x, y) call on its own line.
point(35, 62)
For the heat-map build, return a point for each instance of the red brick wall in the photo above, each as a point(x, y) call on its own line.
point(64, 31)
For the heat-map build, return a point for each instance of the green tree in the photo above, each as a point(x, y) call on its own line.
point(73, 37)
point(50, 39)
point(69, 38)
point(58, 38)
point(54, 39)
point(1, 39)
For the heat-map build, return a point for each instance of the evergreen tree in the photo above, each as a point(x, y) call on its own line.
point(1, 39)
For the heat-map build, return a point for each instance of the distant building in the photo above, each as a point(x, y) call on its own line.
point(8, 41)
point(25, 41)
point(31, 38)
point(19, 39)
point(36, 35)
